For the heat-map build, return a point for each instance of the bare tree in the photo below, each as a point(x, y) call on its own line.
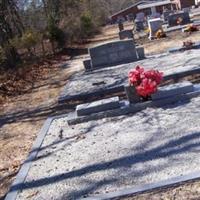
point(10, 24)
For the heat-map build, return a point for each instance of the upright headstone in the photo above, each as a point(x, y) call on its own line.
point(186, 9)
point(154, 25)
point(155, 15)
point(166, 14)
point(139, 25)
point(113, 53)
point(140, 16)
point(180, 18)
point(120, 25)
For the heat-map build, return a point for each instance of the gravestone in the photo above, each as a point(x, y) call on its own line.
point(139, 25)
point(130, 17)
point(155, 15)
point(166, 14)
point(140, 17)
point(113, 53)
point(186, 9)
point(120, 25)
point(154, 25)
point(180, 18)
point(126, 34)
point(98, 106)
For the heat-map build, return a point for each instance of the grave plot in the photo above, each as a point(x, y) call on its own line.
point(112, 154)
point(113, 107)
point(111, 80)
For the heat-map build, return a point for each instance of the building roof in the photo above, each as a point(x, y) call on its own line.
point(154, 4)
point(135, 4)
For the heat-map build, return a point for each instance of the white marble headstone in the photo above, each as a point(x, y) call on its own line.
point(154, 25)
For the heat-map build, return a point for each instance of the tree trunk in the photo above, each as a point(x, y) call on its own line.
point(8, 17)
point(12, 57)
point(43, 48)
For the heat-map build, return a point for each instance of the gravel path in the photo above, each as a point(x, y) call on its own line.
point(112, 154)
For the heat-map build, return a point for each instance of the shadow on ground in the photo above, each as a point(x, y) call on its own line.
point(173, 147)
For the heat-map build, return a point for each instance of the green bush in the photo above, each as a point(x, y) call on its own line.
point(28, 40)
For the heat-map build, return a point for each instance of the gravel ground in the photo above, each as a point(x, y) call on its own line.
point(112, 154)
point(113, 76)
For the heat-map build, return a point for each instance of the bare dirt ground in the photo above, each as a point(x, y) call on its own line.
point(22, 115)
point(173, 39)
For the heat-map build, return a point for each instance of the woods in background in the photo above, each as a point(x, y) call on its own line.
point(28, 24)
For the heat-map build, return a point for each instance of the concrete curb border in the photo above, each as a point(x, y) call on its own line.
point(175, 181)
point(23, 172)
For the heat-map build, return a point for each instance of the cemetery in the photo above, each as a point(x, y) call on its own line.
point(126, 136)
point(133, 124)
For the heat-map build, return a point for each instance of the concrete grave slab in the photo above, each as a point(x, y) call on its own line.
point(82, 85)
point(98, 106)
point(135, 106)
point(173, 90)
point(116, 154)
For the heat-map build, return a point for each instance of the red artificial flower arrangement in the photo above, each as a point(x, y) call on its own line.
point(191, 28)
point(188, 44)
point(145, 82)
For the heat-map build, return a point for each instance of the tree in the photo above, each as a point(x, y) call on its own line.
point(10, 24)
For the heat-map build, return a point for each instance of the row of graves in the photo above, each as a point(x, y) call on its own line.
point(158, 26)
point(134, 127)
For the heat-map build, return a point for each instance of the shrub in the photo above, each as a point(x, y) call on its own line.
point(28, 40)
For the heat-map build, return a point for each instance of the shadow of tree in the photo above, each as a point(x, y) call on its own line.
point(34, 114)
point(173, 147)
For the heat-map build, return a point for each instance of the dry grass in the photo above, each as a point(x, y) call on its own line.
point(23, 115)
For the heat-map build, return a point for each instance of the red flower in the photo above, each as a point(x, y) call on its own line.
point(146, 83)
point(136, 75)
point(154, 75)
point(146, 88)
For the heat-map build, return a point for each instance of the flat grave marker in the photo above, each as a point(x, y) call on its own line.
point(98, 106)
